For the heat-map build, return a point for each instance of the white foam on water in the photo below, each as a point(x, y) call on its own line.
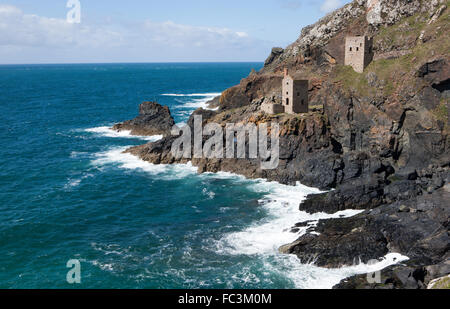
point(203, 98)
point(209, 194)
point(78, 154)
point(108, 132)
point(197, 103)
point(103, 266)
point(309, 276)
point(76, 182)
point(225, 175)
point(282, 205)
point(263, 239)
point(116, 156)
point(181, 124)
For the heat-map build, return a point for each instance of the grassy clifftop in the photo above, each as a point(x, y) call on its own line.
point(410, 43)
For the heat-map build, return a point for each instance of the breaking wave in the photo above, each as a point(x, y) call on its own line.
point(200, 102)
point(108, 132)
point(117, 157)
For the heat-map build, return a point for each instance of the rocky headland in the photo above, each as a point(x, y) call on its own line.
point(379, 139)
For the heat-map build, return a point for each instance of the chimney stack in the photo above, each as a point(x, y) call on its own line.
point(286, 72)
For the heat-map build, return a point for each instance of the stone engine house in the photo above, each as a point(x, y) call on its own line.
point(295, 94)
point(294, 97)
point(358, 52)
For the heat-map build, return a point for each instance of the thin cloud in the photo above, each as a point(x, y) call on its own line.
point(31, 36)
point(19, 29)
point(330, 5)
point(177, 35)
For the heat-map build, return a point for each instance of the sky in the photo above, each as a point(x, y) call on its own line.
point(152, 31)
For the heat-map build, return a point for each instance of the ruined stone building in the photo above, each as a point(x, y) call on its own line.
point(295, 94)
point(272, 108)
point(294, 97)
point(358, 52)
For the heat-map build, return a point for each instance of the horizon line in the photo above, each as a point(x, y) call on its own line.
point(162, 62)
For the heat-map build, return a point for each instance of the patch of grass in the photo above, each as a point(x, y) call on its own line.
point(351, 79)
point(442, 284)
point(394, 73)
point(406, 30)
point(441, 112)
point(409, 29)
point(320, 106)
point(394, 178)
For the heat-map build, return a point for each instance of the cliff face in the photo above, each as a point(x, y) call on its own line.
point(393, 118)
point(380, 138)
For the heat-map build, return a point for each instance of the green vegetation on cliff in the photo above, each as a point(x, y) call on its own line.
point(410, 42)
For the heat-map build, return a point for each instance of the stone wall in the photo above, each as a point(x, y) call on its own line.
point(272, 109)
point(300, 102)
point(295, 95)
point(287, 91)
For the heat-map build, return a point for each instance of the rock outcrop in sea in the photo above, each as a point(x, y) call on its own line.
point(153, 119)
point(380, 139)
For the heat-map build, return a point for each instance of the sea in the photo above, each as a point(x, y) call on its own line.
point(69, 193)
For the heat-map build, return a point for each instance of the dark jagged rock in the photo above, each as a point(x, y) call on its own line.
point(393, 277)
point(214, 103)
point(299, 137)
point(357, 194)
point(253, 87)
point(276, 52)
point(153, 119)
point(399, 277)
point(436, 72)
point(340, 242)
point(421, 233)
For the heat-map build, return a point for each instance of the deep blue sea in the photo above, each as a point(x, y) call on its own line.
point(68, 192)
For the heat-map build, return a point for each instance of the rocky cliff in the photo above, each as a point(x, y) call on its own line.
point(380, 138)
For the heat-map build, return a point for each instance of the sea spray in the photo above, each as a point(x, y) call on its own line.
point(118, 156)
point(108, 132)
point(200, 101)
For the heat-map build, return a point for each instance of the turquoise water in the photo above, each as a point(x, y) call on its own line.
point(68, 191)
